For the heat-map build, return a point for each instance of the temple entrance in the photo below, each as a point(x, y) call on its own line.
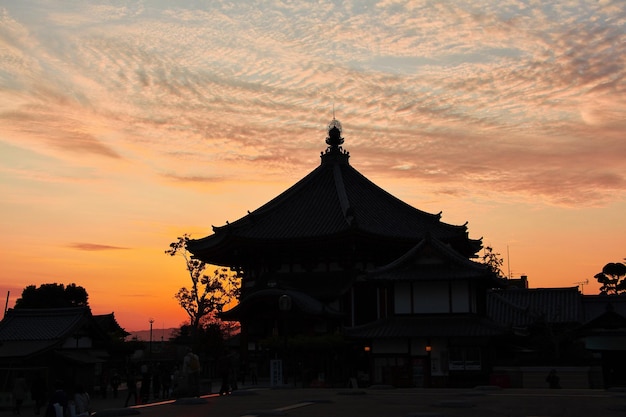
point(401, 371)
point(392, 370)
point(419, 371)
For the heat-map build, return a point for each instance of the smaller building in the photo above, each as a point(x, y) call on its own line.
point(431, 327)
point(49, 344)
point(603, 334)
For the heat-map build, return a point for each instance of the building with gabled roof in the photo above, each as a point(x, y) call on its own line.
point(109, 324)
point(68, 344)
point(340, 279)
point(523, 307)
point(335, 209)
point(335, 254)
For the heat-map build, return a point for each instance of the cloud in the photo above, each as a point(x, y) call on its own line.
point(495, 95)
point(94, 247)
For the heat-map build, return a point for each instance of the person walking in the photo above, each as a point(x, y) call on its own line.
point(146, 379)
point(191, 368)
point(38, 393)
point(553, 380)
point(223, 368)
point(166, 382)
point(57, 406)
point(115, 383)
point(19, 393)
point(81, 402)
point(131, 383)
point(156, 381)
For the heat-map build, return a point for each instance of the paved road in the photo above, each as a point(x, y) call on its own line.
point(483, 402)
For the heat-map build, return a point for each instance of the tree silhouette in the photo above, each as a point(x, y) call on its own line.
point(612, 278)
point(208, 293)
point(493, 261)
point(52, 296)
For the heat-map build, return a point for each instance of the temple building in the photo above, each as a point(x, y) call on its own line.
point(343, 280)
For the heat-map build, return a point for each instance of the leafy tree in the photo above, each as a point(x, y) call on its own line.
point(52, 296)
point(612, 278)
point(208, 293)
point(211, 335)
point(493, 261)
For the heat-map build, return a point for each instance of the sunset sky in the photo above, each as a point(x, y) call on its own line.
point(124, 124)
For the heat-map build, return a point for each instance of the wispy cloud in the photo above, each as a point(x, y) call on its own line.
point(508, 100)
point(454, 81)
point(94, 247)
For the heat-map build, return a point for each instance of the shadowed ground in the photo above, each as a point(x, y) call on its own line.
point(482, 401)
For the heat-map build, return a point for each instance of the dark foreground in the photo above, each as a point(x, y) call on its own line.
point(481, 401)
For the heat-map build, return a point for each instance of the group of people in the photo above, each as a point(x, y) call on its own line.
point(59, 402)
point(149, 381)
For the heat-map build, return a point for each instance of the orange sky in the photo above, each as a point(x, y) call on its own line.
point(125, 125)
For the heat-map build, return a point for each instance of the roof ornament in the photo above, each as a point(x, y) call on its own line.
point(334, 139)
point(334, 152)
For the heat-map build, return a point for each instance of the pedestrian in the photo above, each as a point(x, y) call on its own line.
point(223, 368)
point(166, 381)
point(19, 393)
point(156, 381)
point(146, 379)
point(104, 383)
point(191, 368)
point(115, 383)
point(38, 393)
point(81, 402)
point(253, 373)
point(131, 382)
point(553, 380)
point(234, 370)
point(176, 377)
point(57, 406)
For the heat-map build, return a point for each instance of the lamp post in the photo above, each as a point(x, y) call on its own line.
point(150, 345)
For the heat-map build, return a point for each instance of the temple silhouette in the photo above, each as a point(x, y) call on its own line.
point(342, 281)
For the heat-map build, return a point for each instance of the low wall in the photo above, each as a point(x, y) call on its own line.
point(535, 376)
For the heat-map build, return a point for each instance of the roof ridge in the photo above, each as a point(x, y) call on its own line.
point(344, 201)
point(438, 245)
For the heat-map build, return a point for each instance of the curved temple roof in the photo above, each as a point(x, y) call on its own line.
point(333, 200)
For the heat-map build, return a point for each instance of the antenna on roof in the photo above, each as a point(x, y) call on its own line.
point(508, 260)
point(582, 284)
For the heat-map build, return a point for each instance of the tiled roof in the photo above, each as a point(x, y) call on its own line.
point(427, 326)
point(109, 324)
point(41, 324)
point(10, 350)
point(522, 307)
point(333, 200)
point(596, 305)
point(430, 259)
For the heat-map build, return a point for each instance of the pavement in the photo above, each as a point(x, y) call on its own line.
point(386, 402)
point(260, 401)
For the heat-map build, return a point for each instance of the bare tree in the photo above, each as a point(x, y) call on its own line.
point(207, 294)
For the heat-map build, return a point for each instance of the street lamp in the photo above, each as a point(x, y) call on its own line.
point(150, 345)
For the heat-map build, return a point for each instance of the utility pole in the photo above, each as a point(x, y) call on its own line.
point(6, 305)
